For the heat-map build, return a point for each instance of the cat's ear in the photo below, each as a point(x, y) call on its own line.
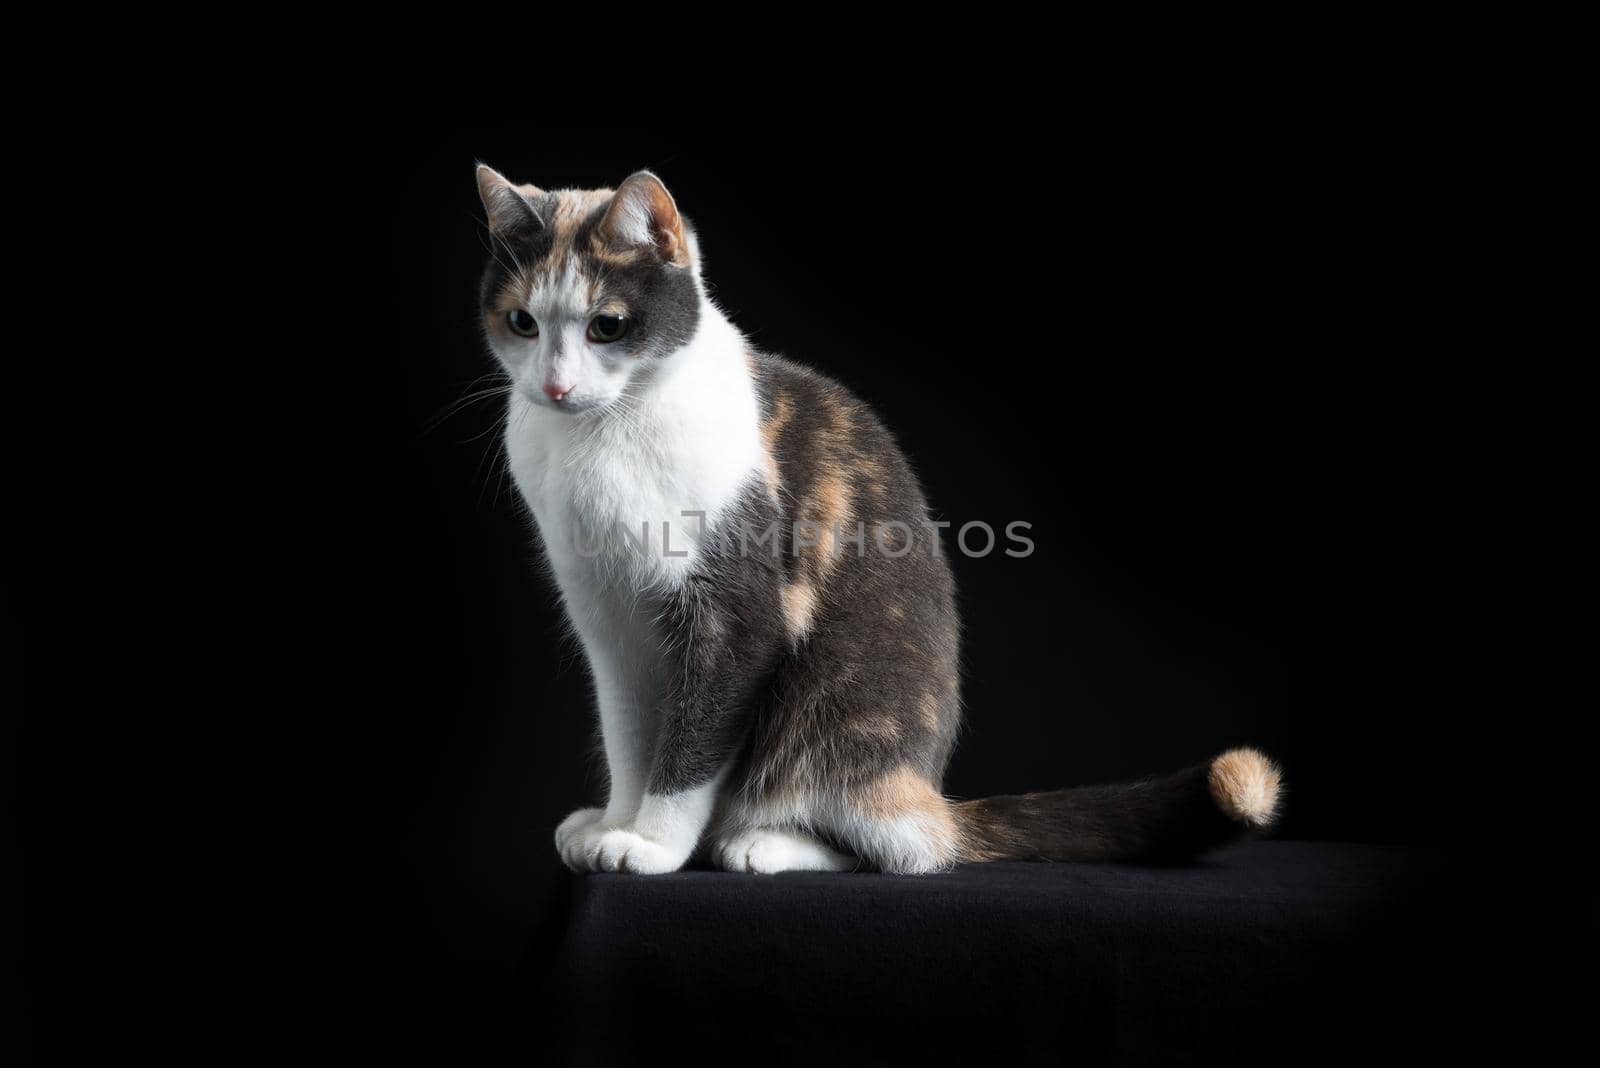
point(643, 215)
point(504, 204)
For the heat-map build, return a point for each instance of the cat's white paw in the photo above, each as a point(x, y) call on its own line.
point(767, 852)
point(625, 851)
point(578, 839)
point(576, 822)
point(569, 830)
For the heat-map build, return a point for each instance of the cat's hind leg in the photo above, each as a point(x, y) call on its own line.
point(898, 822)
point(769, 850)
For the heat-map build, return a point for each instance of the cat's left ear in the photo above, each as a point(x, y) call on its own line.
point(643, 214)
point(505, 206)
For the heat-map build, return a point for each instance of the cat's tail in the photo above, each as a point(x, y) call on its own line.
point(1170, 818)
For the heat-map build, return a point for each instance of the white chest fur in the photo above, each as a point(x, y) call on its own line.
point(610, 490)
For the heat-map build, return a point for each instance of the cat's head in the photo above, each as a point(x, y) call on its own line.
point(586, 291)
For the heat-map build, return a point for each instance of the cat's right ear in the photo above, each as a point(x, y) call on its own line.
point(505, 206)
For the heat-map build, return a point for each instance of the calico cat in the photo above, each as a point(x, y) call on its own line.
point(745, 555)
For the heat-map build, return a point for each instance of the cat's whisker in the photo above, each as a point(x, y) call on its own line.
point(462, 403)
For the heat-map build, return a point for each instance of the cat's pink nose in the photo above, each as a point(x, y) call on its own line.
point(555, 392)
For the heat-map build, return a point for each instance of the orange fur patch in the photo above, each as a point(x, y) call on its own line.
point(830, 507)
point(771, 430)
point(900, 792)
point(799, 603)
point(1245, 785)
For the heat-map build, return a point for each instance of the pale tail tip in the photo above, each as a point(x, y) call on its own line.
point(1245, 786)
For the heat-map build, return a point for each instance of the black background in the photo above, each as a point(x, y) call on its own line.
point(1175, 351)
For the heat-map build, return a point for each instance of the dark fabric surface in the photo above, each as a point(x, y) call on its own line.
point(1269, 951)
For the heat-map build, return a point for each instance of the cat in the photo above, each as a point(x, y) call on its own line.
point(744, 554)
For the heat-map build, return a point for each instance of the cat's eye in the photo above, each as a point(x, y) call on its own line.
point(522, 322)
point(604, 328)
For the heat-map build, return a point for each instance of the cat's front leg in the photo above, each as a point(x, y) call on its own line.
point(570, 830)
point(664, 834)
point(729, 640)
point(626, 729)
point(626, 692)
point(692, 752)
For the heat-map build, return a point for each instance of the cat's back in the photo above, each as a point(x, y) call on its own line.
point(863, 567)
point(829, 453)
